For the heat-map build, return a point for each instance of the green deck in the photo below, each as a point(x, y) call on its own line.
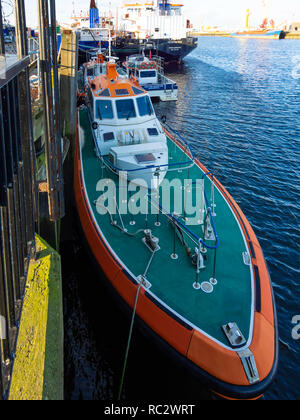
point(172, 280)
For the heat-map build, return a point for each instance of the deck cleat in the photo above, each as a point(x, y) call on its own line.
point(151, 241)
point(249, 365)
point(142, 279)
point(233, 334)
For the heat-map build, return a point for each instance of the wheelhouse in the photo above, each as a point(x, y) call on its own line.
point(122, 113)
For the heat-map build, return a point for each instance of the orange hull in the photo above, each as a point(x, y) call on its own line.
point(220, 368)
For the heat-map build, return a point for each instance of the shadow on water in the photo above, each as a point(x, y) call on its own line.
point(96, 334)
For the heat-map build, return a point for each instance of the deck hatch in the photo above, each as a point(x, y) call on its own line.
point(146, 158)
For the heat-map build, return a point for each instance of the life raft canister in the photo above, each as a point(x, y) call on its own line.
point(150, 65)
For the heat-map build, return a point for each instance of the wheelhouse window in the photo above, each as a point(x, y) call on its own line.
point(137, 91)
point(147, 73)
point(104, 110)
point(152, 132)
point(126, 109)
point(145, 106)
point(121, 92)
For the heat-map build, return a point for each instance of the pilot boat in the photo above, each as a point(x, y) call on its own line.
point(96, 67)
point(193, 275)
point(149, 73)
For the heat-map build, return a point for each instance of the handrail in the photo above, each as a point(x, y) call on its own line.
point(205, 195)
point(196, 237)
point(181, 138)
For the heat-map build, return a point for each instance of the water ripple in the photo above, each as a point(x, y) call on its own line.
point(240, 108)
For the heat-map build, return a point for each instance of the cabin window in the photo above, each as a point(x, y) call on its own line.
point(104, 110)
point(108, 136)
point(121, 92)
point(137, 91)
point(105, 92)
point(126, 109)
point(145, 106)
point(147, 73)
point(152, 132)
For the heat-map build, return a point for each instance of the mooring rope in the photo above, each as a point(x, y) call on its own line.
point(131, 326)
point(129, 341)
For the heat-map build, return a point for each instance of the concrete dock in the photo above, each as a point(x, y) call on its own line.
point(292, 35)
point(38, 365)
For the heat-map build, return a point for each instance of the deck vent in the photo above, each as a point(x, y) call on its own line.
point(234, 335)
point(206, 287)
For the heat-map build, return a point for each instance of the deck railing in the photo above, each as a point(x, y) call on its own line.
point(18, 202)
point(18, 186)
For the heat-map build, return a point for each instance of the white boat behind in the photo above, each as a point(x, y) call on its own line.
point(149, 72)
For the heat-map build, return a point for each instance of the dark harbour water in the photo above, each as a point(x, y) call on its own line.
point(239, 106)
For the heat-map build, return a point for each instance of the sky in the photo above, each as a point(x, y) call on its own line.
point(223, 13)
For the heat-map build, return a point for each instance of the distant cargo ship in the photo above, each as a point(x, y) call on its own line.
point(265, 31)
point(160, 26)
point(162, 29)
point(259, 34)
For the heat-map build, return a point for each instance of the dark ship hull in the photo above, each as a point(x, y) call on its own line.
point(172, 51)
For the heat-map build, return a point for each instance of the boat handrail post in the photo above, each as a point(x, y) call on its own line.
point(213, 279)
point(200, 266)
point(174, 256)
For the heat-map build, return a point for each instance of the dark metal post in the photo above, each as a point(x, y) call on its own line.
point(28, 155)
point(27, 162)
point(21, 35)
point(4, 331)
point(2, 44)
point(20, 171)
point(10, 168)
point(60, 180)
point(50, 146)
point(4, 345)
point(1, 383)
point(4, 237)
